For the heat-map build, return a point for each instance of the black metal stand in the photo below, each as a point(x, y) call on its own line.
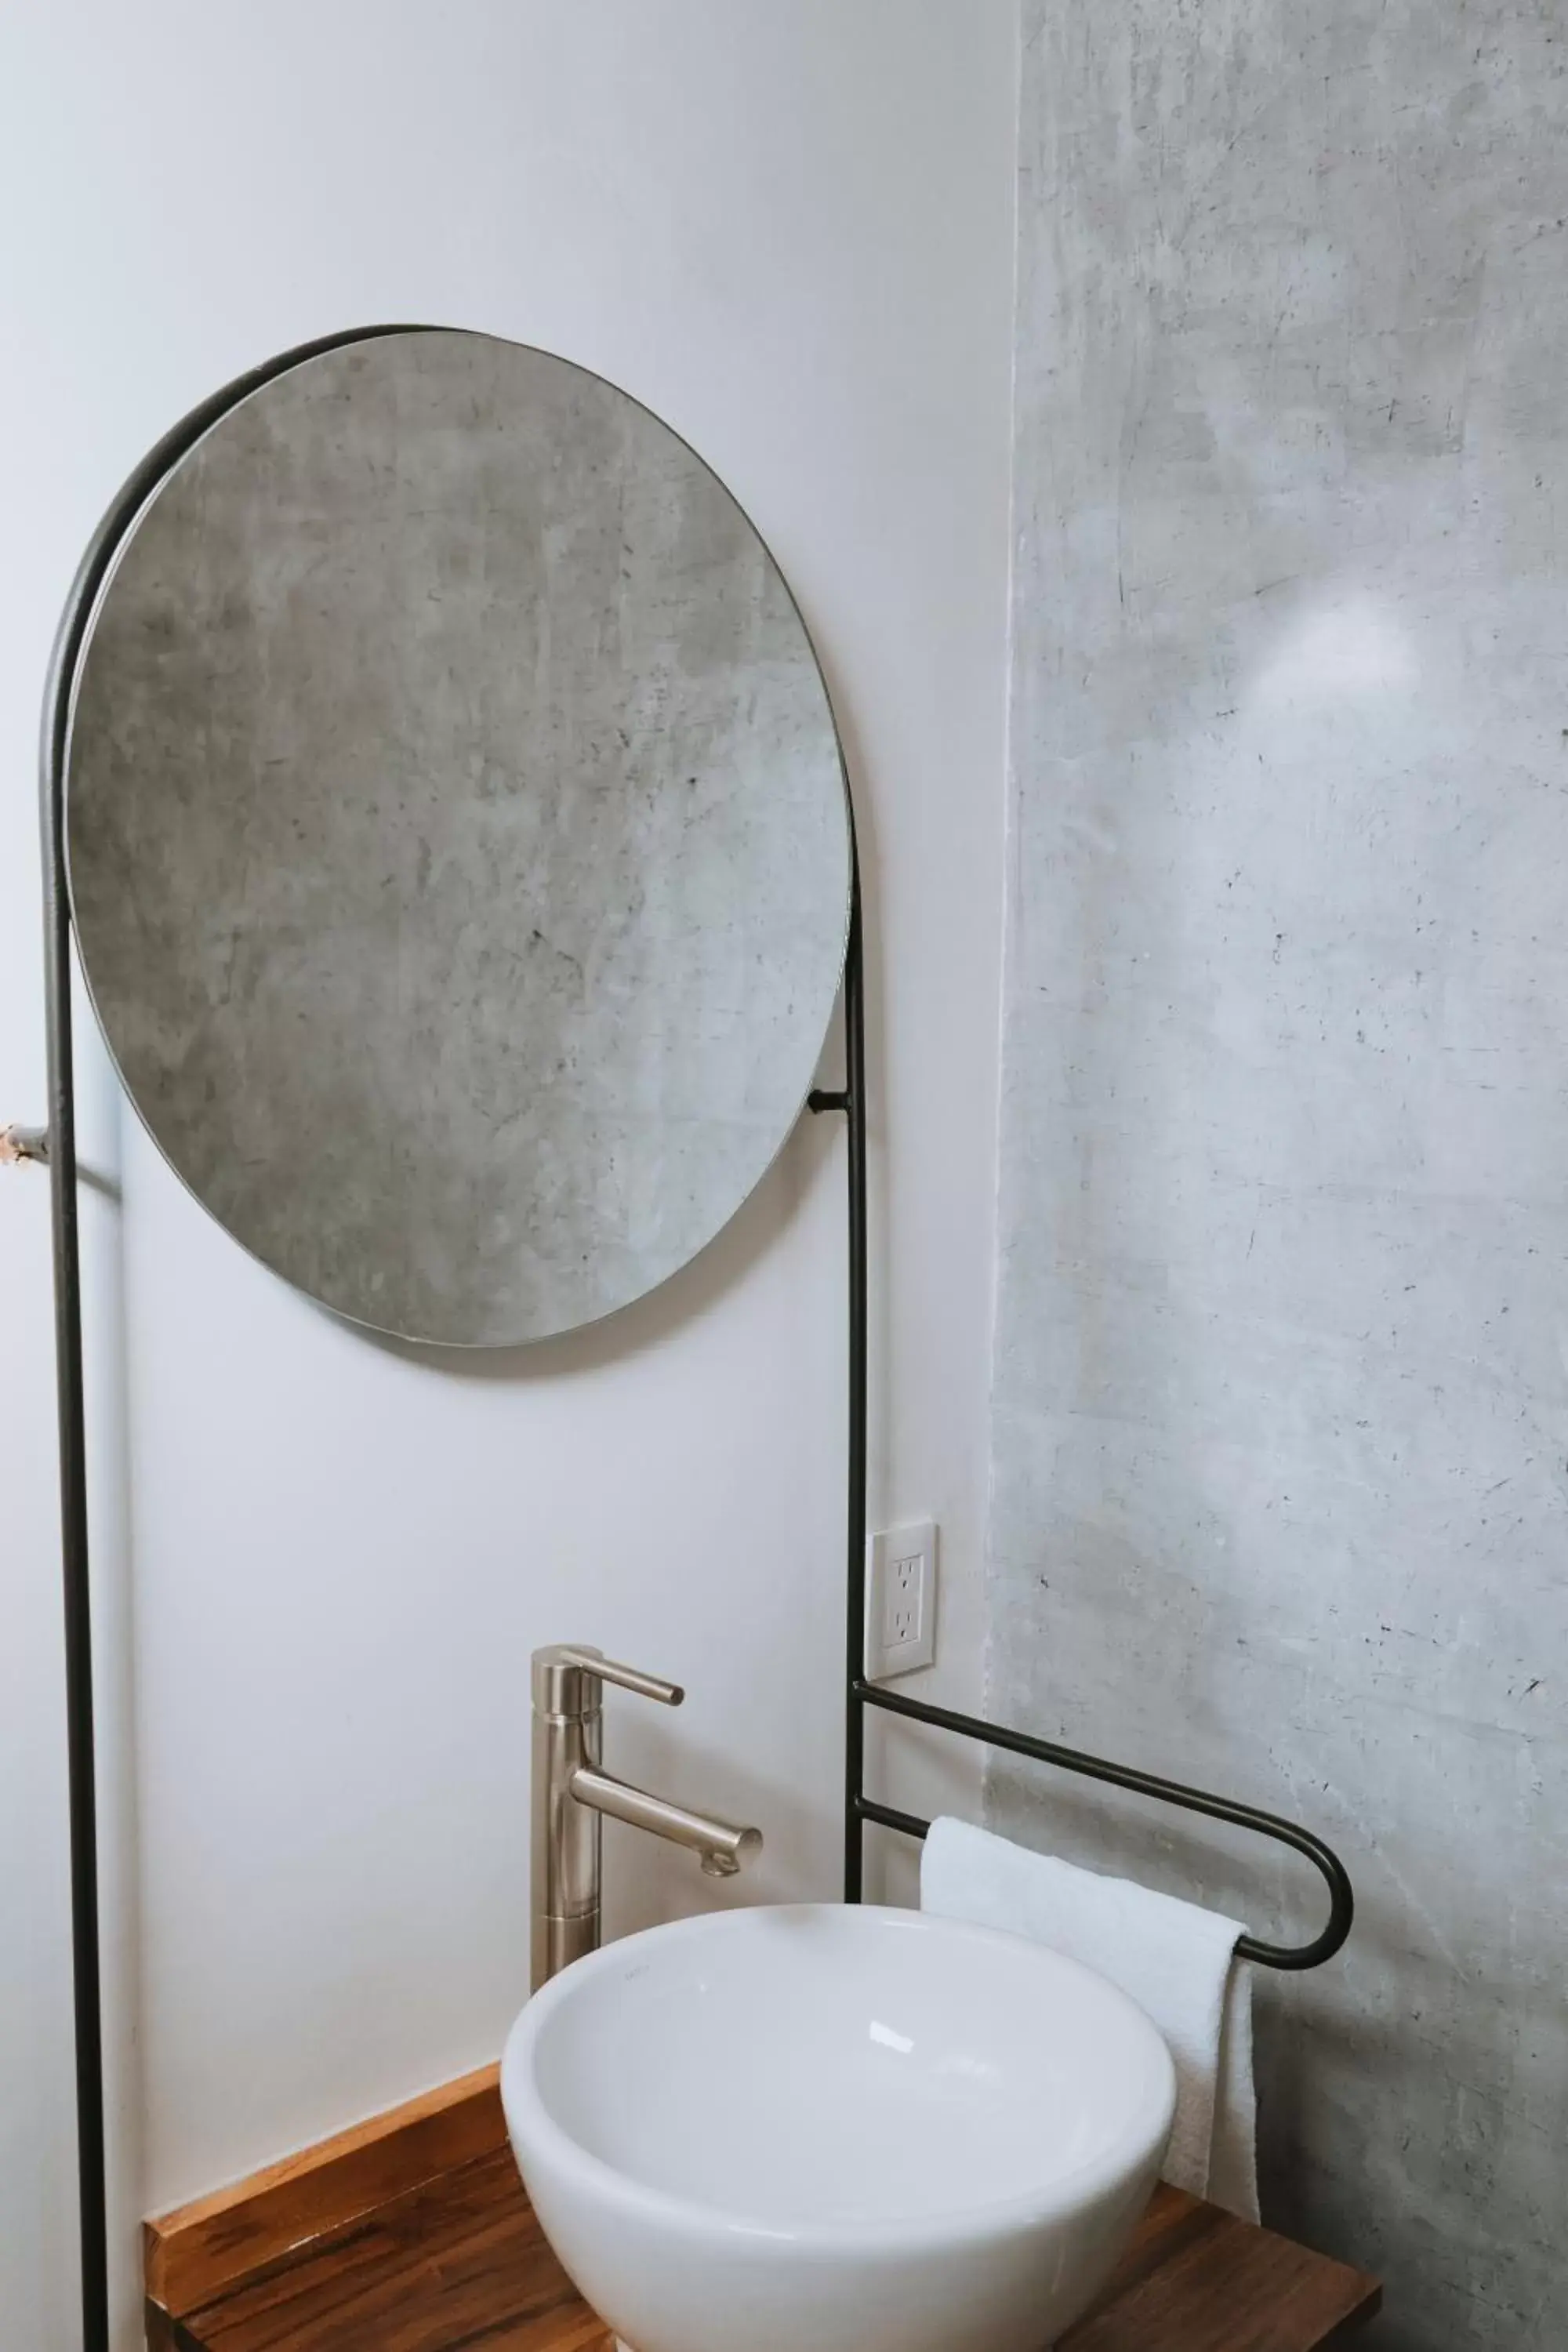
point(60, 1154)
point(859, 1693)
point(60, 1150)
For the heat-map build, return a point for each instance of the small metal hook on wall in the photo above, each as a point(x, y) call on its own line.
point(19, 1143)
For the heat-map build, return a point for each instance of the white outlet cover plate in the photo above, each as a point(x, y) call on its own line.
point(900, 1600)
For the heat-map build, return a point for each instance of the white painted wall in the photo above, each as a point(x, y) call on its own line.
point(788, 228)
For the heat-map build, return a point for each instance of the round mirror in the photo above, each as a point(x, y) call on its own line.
point(459, 847)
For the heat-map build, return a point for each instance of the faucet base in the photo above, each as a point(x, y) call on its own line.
point(558, 1942)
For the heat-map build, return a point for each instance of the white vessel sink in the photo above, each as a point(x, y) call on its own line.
point(829, 2129)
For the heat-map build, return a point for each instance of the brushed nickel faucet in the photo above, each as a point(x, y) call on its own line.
point(571, 1792)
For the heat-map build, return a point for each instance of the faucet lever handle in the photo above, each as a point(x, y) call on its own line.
point(551, 1665)
point(632, 1678)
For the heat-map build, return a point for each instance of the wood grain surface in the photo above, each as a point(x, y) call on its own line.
point(202, 2247)
point(460, 2261)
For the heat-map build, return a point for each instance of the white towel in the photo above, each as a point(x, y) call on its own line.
point(1176, 1961)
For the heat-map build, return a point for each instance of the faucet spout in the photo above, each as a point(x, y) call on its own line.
point(722, 1846)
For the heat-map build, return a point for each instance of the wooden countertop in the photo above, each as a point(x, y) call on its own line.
point(460, 2263)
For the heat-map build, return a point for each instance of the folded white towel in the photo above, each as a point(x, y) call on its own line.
point(1176, 1961)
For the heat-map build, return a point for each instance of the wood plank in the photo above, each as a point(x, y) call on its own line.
point(435, 2250)
point(161, 2336)
point(1222, 2285)
point(458, 2261)
point(200, 2248)
point(1172, 2223)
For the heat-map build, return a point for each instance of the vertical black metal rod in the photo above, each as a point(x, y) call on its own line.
point(85, 1952)
point(855, 1580)
point(83, 1801)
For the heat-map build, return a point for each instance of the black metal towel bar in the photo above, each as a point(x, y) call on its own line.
point(1341, 1902)
point(859, 1693)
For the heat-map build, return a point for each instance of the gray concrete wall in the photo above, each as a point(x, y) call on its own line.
point(1280, 1413)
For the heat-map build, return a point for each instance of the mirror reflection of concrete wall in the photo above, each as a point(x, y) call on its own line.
point(458, 843)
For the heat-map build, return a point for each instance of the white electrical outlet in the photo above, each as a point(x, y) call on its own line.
point(900, 1600)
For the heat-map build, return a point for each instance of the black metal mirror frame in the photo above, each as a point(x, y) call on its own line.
point(58, 1146)
point(86, 1963)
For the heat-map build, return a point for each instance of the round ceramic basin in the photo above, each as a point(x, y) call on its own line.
point(819, 2128)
